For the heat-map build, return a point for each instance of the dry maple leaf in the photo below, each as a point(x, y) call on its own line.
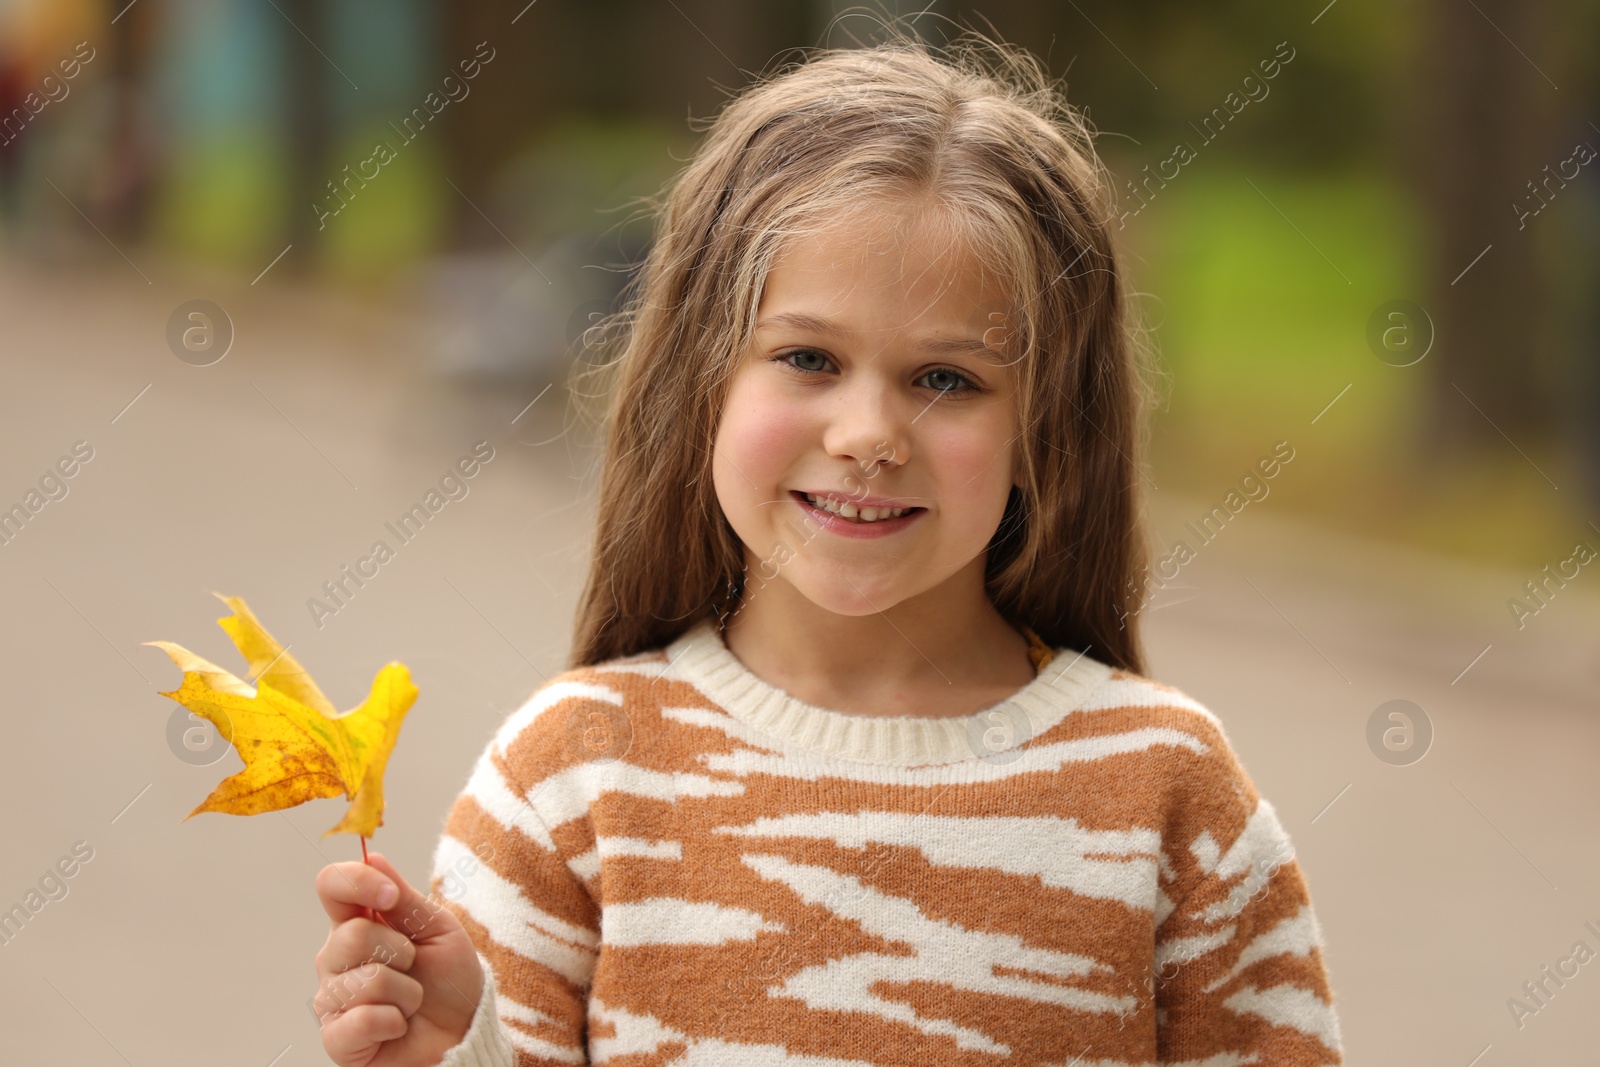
point(295, 746)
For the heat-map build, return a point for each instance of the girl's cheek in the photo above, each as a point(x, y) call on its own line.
point(763, 434)
point(971, 462)
point(757, 452)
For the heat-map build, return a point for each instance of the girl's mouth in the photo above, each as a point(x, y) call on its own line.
point(847, 518)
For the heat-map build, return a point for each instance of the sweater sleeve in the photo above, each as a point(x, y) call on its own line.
point(1238, 958)
point(486, 1043)
point(535, 926)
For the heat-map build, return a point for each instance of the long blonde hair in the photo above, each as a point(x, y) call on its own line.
point(984, 129)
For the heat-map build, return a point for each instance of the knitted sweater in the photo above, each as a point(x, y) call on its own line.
point(664, 859)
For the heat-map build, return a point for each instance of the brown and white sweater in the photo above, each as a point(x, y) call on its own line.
point(664, 859)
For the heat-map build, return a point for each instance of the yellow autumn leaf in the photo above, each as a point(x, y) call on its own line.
point(295, 746)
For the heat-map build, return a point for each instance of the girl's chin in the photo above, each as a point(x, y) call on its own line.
point(857, 596)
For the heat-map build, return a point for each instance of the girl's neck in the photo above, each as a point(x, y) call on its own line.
point(948, 651)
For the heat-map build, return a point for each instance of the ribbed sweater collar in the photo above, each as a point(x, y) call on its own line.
point(702, 657)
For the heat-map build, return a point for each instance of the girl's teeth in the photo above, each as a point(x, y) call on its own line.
point(848, 510)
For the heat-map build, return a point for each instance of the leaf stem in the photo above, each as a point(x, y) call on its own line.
point(372, 913)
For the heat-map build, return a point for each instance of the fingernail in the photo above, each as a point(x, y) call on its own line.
point(387, 895)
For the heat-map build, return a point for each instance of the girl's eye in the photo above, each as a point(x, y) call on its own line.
point(807, 354)
point(953, 382)
point(960, 382)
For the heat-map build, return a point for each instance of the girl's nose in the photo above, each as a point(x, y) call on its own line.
point(871, 426)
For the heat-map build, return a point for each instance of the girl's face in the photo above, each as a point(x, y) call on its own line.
point(876, 378)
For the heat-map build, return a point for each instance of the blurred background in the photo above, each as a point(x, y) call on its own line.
point(270, 268)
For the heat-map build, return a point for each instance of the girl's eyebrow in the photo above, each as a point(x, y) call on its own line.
point(809, 323)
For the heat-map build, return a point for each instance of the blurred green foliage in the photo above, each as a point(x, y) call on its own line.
point(1257, 334)
point(399, 217)
point(198, 211)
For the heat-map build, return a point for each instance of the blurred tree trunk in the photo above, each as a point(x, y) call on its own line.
point(127, 183)
point(513, 93)
point(1484, 126)
point(623, 59)
point(1583, 413)
point(310, 125)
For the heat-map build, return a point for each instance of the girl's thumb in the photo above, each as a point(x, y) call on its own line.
point(408, 898)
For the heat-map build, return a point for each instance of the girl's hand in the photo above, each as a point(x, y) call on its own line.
point(400, 994)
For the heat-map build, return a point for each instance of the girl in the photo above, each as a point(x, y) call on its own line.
point(855, 761)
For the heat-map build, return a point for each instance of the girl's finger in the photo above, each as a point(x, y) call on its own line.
point(348, 889)
point(367, 985)
point(357, 942)
point(413, 914)
point(348, 1036)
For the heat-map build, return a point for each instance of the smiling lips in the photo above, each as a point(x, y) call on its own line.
point(858, 513)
